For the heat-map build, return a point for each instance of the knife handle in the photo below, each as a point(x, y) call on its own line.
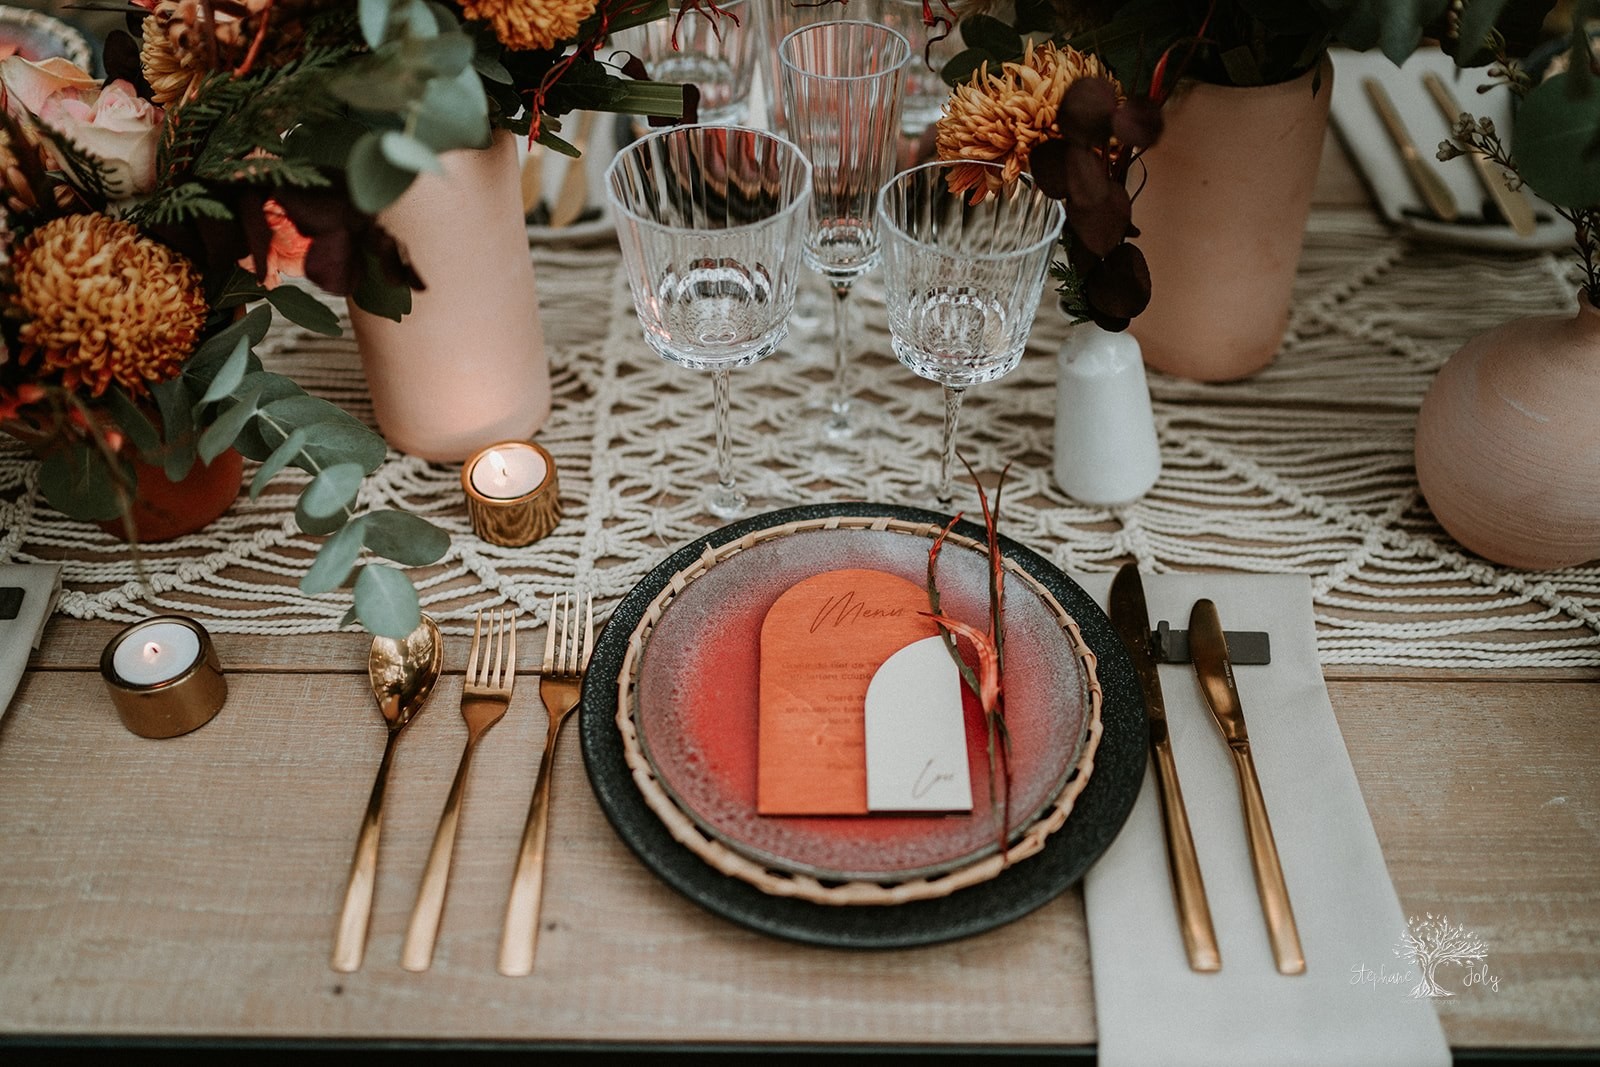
point(1194, 914)
point(1281, 930)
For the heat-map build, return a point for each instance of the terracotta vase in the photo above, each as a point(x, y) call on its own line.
point(1508, 447)
point(1222, 217)
point(165, 510)
point(466, 367)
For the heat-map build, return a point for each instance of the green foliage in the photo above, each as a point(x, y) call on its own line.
point(1557, 127)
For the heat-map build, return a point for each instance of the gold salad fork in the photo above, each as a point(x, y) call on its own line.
point(485, 696)
point(560, 684)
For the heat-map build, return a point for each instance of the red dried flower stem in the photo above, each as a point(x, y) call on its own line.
point(255, 44)
point(700, 5)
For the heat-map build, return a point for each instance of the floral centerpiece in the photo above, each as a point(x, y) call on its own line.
point(151, 218)
point(1059, 116)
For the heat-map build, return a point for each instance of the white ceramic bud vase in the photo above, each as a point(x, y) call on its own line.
point(1106, 447)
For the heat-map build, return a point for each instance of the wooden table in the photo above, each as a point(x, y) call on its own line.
point(187, 889)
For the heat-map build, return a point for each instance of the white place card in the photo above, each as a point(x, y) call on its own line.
point(916, 740)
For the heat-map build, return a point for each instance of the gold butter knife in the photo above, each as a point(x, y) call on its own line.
point(1209, 650)
point(1513, 205)
point(1131, 620)
point(1432, 187)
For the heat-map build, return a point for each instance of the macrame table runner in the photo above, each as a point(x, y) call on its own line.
point(1305, 468)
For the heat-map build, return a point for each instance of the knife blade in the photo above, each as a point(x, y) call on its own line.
point(1208, 648)
point(1513, 204)
point(1432, 187)
point(1131, 619)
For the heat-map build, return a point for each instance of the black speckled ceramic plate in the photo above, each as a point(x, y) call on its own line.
point(1095, 821)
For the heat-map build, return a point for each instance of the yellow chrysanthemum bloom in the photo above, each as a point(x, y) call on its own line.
point(104, 303)
point(529, 25)
point(999, 118)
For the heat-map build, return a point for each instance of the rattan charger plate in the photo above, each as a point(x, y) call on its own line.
point(1051, 787)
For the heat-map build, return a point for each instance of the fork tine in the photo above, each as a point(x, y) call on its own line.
point(511, 650)
point(562, 668)
point(472, 657)
point(550, 639)
point(588, 634)
point(497, 634)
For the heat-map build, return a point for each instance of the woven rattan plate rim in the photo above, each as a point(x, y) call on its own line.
point(734, 864)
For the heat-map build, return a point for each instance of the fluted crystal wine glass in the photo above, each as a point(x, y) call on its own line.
point(962, 280)
point(715, 50)
point(842, 86)
point(711, 220)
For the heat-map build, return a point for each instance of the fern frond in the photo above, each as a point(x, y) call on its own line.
point(181, 204)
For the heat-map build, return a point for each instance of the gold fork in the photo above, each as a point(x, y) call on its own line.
point(560, 684)
point(485, 696)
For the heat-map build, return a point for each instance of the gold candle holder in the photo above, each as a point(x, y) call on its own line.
point(513, 494)
point(163, 676)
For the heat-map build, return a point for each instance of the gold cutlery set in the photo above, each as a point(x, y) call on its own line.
point(1208, 649)
point(403, 674)
point(1512, 205)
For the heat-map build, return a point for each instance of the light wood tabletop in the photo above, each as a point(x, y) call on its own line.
point(187, 889)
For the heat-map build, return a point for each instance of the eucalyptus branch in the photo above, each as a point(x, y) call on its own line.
point(1470, 135)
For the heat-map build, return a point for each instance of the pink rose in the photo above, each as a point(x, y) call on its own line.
point(29, 85)
point(112, 124)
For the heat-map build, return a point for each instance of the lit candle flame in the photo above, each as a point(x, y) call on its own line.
point(498, 465)
point(152, 651)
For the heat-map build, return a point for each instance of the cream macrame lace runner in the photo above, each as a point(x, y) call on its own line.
point(1305, 468)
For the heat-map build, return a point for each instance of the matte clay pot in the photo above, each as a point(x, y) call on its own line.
point(1508, 447)
point(466, 367)
point(165, 510)
point(1222, 217)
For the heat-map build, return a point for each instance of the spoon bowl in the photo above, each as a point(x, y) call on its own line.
point(402, 674)
point(403, 671)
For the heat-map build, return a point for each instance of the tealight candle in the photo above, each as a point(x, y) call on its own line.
point(163, 676)
point(507, 473)
point(513, 495)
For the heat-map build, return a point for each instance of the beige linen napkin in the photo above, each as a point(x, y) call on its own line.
point(40, 583)
point(1150, 1008)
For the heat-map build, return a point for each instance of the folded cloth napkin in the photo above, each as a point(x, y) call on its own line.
point(1150, 1008)
point(40, 583)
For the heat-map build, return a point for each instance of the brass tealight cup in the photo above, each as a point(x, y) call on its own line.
point(163, 676)
point(513, 495)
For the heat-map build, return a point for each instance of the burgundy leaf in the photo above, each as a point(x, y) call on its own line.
point(1137, 123)
point(1048, 164)
point(1119, 285)
point(1102, 225)
point(1086, 111)
point(1085, 169)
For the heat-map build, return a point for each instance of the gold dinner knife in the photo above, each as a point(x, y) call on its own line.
point(1132, 622)
point(1209, 650)
point(1512, 203)
point(1432, 187)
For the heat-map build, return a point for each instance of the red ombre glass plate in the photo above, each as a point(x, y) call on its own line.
point(690, 693)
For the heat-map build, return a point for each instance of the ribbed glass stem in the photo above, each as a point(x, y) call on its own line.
point(947, 461)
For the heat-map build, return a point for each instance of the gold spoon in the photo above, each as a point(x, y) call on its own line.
point(402, 674)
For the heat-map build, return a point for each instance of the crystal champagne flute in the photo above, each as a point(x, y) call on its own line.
point(962, 280)
point(711, 219)
point(842, 86)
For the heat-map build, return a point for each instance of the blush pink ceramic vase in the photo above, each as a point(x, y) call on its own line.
point(466, 367)
point(1508, 446)
point(1222, 216)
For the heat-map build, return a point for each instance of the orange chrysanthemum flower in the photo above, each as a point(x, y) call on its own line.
point(530, 25)
point(999, 118)
point(104, 303)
